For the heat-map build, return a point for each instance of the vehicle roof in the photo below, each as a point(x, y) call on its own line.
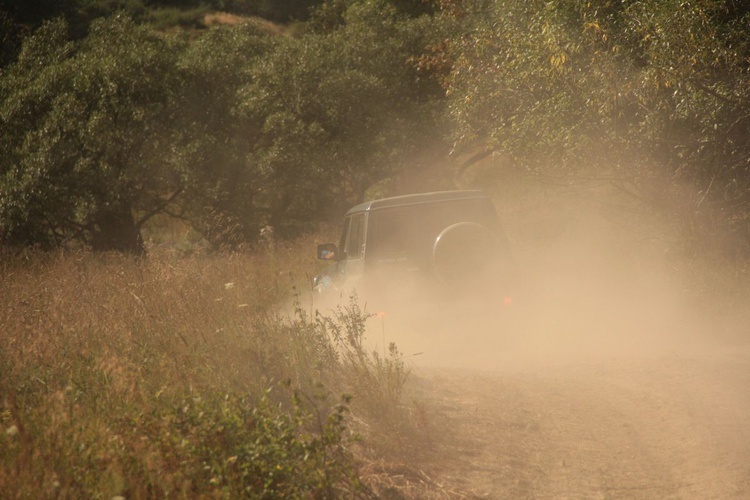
point(416, 199)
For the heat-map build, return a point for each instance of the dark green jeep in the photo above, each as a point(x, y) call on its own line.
point(449, 241)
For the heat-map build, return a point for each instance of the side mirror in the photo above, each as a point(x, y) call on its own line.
point(327, 251)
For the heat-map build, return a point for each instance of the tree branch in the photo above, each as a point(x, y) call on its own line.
point(159, 208)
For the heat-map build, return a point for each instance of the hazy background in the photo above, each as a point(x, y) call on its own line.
point(596, 280)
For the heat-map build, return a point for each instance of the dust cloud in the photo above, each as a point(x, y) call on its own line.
point(615, 369)
point(588, 286)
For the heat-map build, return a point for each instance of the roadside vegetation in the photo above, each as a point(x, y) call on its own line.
point(187, 377)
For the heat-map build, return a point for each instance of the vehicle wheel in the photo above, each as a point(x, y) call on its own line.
point(462, 253)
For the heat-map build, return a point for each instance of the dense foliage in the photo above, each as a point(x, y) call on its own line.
point(237, 127)
point(651, 96)
point(235, 130)
point(86, 136)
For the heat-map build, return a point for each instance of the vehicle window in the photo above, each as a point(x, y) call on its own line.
point(356, 237)
point(344, 235)
point(399, 231)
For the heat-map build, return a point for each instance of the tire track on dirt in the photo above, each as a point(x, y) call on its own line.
point(672, 427)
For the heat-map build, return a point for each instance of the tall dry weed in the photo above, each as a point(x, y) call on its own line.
point(117, 373)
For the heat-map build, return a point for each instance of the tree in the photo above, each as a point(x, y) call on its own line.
point(340, 111)
point(87, 148)
point(223, 186)
point(695, 88)
point(232, 130)
point(650, 95)
point(539, 81)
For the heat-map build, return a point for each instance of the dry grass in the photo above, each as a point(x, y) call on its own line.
point(225, 18)
point(159, 377)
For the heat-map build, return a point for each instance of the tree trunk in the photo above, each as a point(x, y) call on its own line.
point(116, 230)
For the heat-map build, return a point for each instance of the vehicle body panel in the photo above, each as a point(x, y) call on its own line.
point(391, 244)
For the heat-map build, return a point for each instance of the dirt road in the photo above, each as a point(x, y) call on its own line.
point(673, 426)
point(607, 379)
point(607, 407)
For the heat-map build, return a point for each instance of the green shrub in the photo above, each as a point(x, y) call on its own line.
point(234, 445)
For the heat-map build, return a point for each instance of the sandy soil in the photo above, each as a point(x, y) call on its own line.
point(665, 427)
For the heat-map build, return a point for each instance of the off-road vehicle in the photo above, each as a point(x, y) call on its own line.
point(449, 241)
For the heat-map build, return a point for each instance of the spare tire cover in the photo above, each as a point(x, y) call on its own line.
point(462, 252)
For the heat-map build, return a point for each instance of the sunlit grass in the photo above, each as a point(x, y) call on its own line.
point(181, 376)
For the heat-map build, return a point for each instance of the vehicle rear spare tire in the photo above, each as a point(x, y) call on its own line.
point(462, 253)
